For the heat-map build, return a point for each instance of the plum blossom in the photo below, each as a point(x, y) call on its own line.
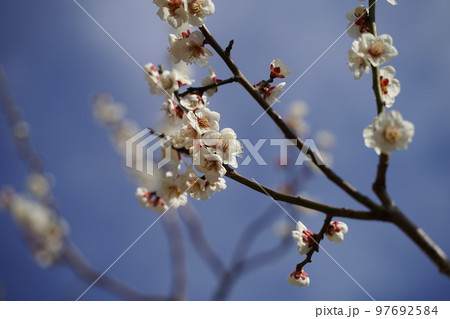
point(184, 137)
point(165, 82)
point(357, 64)
point(194, 101)
point(208, 162)
point(211, 79)
point(189, 48)
point(304, 238)
point(224, 143)
point(336, 231)
point(358, 18)
point(376, 50)
point(199, 188)
point(198, 10)
point(174, 112)
point(298, 278)
point(270, 94)
point(150, 200)
point(388, 133)
point(203, 120)
point(174, 11)
point(278, 69)
point(172, 190)
point(390, 87)
point(43, 229)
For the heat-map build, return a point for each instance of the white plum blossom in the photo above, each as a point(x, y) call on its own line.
point(224, 143)
point(211, 79)
point(172, 190)
point(194, 101)
point(150, 200)
point(199, 188)
point(376, 50)
point(357, 63)
point(174, 11)
point(390, 87)
point(208, 162)
point(303, 237)
point(198, 10)
point(189, 48)
point(278, 69)
point(298, 278)
point(173, 111)
point(270, 94)
point(184, 137)
point(388, 133)
point(166, 82)
point(44, 230)
point(336, 230)
point(203, 120)
point(358, 18)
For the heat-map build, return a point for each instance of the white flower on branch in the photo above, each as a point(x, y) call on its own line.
point(270, 94)
point(224, 143)
point(174, 11)
point(336, 230)
point(43, 229)
point(357, 63)
point(303, 237)
point(172, 190)
point(298, 278)
point(388, 133)
point(150, 200)
point(194, 101)
point(376, 50)
point(278, 69)
point(203, 120)
point(211, 79)
point(174, 112)
point(199, 188)
point(390, 87)
point(198, 10)
point(189, 48)
point(358, 18)
point(165, 82)
point(208, 162)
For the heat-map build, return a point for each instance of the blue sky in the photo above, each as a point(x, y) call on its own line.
point(56, 59)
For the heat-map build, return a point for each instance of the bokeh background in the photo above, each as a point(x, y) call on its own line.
point(56, 59)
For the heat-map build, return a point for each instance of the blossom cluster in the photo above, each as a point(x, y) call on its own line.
point(42, 227)
point(193, 127)
point(389, 131)
point(306, 240)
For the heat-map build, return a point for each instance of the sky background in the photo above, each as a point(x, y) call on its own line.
point(56, 59)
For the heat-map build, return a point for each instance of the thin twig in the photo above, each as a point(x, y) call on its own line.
point(205, 88)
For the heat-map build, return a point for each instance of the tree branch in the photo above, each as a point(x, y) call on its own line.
point(287, 131)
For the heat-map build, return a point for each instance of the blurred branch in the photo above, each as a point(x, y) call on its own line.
point(252, 263)
point(178, 256)
point(200, 241)
point(76, 261)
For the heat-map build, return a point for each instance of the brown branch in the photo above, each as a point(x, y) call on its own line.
point(287, 131)
point(202, 89)
point(315, 248)
point(379, 214)
point(379, 186)
point(75, 260)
